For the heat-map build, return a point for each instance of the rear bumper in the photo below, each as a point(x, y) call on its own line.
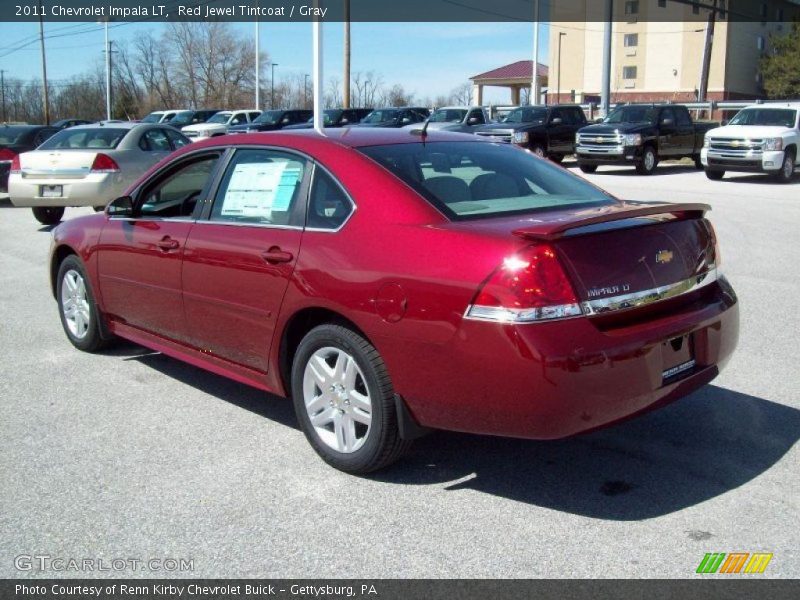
point(751, 162)
point(553, 380)
point(93, 190)
point(615, 155)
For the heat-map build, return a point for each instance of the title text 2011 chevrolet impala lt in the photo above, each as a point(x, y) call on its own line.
point(392, 283)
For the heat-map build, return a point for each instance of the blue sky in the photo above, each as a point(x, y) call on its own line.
point(427, 58)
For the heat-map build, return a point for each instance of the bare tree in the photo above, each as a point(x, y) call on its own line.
point(461, 95)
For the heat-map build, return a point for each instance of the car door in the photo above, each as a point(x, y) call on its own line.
point(241, 254)
point(684, 131)
point(156, 143)
point(139, 257)
point(667, 132)
point(558, 131)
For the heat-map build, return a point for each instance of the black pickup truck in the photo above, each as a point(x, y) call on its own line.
point(641, 135)
point(544, 130)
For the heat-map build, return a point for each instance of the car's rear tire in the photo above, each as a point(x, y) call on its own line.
point(79, 314)
point(344, 400)
point(588, 168)
point(557, 158)
point(99, 208)
point(714, 175)
point(647, 165)
point(48, 215)
point(786, 172)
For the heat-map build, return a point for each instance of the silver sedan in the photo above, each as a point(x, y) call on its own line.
point(88, 165)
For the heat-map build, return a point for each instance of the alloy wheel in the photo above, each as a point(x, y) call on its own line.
point(337, 400)
point(75, 304)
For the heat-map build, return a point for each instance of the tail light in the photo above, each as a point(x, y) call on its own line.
point(529, 286)
point(717, 255)
point(16, 167)
point(6, 154)
point(103, 163)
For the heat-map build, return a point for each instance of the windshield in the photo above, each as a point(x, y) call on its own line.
point(526, 115)
point(153, 117)
point(220, 117)
point(448, 115)
point(184, 116)
point(632, 114)
point(270, 117)
point(475, 180)
point(781, 117)
point(380, 116)
point(93, 138)
point(11, 135)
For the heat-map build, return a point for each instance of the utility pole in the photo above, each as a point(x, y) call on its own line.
point(305, 90)
point(605, 91)
point(258, 67)
point(44, 66)
point(3, 87)
point(707, 47)
point(319, 121)
point(346, 78)
point(535, 93)
point(558, 88)
point(272, 87)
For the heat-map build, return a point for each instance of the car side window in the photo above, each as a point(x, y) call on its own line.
point(477, 114)
point(683, 117)
point(239, 118)
point(557, 114)
point(176, 139)
point(176, 194)
point(578, 118)
point(667, 113)
point(155, 140)
point(328, 206)
point(253, 115)
point(262, 187)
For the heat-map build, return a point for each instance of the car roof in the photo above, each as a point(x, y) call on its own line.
point(121, 125)
point(354, 137)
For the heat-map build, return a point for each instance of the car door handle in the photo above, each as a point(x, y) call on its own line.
point(275, 255)
point(167, 243)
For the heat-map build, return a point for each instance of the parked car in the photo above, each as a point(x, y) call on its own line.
point(163, 116)
point(546, 131)
point(641, 135)
point(271, 120)
point(19, 138)
point(336, 117)
point(393, 117)
point(64, 123)
point(390, 284)
point(762, 138)
point(220, 123)
point(462, 119)
point(184, 118)
point(87, 165)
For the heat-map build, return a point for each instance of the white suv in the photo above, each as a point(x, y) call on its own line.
point(219, 123)
point(761, 138)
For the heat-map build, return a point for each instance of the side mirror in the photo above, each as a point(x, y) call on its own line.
point(406, 121)
point(598, 120)
point(120, 207)
point(344, 121)
point(724, 122)
point(667, 122)
point(556, 121)
point(472, 121)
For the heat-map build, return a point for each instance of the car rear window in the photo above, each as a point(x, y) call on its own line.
point(469, 180)
point(96, 138)
point(11, 135)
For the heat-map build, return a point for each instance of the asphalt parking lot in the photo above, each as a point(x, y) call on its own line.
point(131, 454)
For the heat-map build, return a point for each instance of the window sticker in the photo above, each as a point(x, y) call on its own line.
point(256, 190)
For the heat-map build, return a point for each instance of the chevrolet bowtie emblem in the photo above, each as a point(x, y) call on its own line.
point(735, 143)
point(664, 256)
point(598, 140)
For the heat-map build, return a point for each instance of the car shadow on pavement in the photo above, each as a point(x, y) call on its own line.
point(244, 396)
point(661, 169)
point(757, 178)
point(695, 449)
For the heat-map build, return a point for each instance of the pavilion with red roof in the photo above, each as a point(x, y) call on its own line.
point(516, 76)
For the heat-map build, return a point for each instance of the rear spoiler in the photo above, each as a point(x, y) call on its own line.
point(550, 229)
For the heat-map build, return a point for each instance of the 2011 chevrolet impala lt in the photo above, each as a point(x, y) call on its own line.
point(392, 282)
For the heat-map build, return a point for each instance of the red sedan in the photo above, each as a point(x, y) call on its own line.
point(392, 283)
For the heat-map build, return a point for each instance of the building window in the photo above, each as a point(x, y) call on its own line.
point(632, 7)
point(631, 40)
point(760, 42)
point(662, 3)
point(629, 72)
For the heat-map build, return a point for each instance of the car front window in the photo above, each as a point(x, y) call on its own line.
point(11, 135)
point(632, 114)
point(269, 117)
point(380, 116)
point(448, 115)
point(469, 180)
point(779, 117)
point(220, 118)
point(526, 115)
point(153, 118)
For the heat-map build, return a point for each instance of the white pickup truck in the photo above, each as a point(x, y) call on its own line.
point(761, 138)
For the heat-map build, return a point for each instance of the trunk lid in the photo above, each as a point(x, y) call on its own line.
point(57, 163)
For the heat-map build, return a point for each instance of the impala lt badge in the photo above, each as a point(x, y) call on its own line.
point(664, 256)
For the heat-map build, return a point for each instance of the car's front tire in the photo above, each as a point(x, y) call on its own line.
point(714, 175)
point(786, 172)
point(588, 168)
point(647, 165)
point(344, 400)
point(48, 215)
point(80, 317)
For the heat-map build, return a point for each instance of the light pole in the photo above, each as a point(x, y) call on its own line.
point(258, 66)
point(272, 87)
point(44, 66)
point(558, 85)
point(535, 81)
